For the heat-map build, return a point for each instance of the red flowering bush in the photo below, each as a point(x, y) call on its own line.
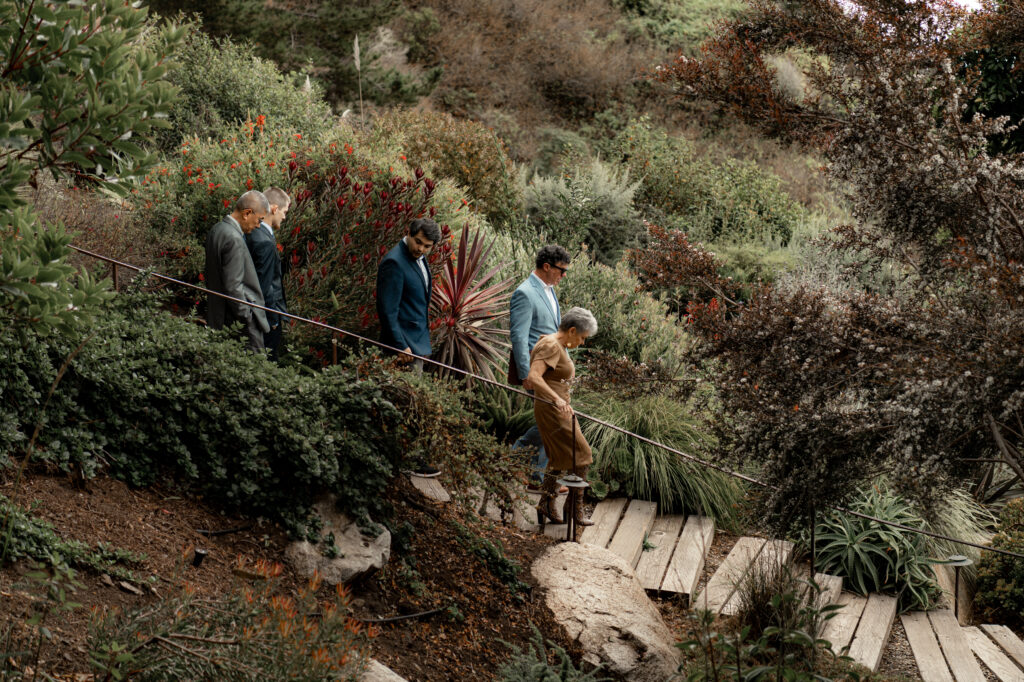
point(340, 228)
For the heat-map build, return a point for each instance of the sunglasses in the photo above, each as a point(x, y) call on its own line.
point(559, 268)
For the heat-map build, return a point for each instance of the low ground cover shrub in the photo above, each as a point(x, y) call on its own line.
point(149, 396)
point(24, 536)
point(649, 472)
point(877, 558)
point(1000, 583)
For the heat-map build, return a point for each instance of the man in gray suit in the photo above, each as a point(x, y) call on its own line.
point(534, 312)
point(229, 270)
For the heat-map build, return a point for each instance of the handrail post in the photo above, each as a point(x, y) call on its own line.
point(334, 348)
point(113, 274)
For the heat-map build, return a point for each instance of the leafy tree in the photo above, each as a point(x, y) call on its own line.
point(317, 36)
point(79, 88)
point(827, 381)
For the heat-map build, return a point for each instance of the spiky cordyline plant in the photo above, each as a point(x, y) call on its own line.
point(465, 308)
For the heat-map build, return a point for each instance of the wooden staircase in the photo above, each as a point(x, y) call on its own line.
point(946, 652)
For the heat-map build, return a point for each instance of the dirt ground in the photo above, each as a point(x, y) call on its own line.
point(432, 571)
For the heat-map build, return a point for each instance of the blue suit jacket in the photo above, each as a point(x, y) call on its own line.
point(530, 317)
point(263, 249)
point(403, 301)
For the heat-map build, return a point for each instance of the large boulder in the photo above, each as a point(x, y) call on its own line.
point(378, 672)
point(594, 594)
point(358, 553)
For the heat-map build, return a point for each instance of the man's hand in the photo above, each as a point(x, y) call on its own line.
point(406, 356)
point(527, 384)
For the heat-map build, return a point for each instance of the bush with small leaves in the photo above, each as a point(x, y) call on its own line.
point(1000, 582)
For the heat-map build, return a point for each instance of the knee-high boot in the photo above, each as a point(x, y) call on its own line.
point(549, 491)
point(577, 511)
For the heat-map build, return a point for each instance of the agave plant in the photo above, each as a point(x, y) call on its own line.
point(466, 307)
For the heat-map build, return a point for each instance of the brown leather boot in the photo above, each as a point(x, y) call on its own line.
point(546, 508)
point(577, 511)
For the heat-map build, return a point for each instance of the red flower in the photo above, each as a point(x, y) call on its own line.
point(311, 247)
point(227, 203)
point(202, 277)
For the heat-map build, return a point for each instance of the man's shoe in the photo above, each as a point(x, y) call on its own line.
point(426, 471)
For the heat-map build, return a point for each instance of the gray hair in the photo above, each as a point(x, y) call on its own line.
point(254, 200)
point(582, 319)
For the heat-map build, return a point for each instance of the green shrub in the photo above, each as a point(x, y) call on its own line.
point(223, 84)
point(649, 472)
point(734, 202)
point(630, 321)
point(557, 149)
point(592, 201)
point(876, 558)
point(23, 536)
point(533, 664)
point(320, 35)
point(464, 151)
point(153, 397)
point(673, 25)
point(1000, 582)
point(959, 515)
point(249, 633)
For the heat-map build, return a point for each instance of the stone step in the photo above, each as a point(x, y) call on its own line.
point(430, 487)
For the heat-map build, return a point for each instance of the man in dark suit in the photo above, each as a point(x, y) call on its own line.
point(229, 270)
point(262, 246)
point(403, 292)
point(403, 303)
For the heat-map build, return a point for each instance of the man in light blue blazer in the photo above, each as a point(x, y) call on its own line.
point(534, 312)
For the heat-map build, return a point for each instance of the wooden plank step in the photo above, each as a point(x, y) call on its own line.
point(955, 647)
point(831, 587)
point(925, 647)
point(606, 520)
point(430, 487)
point(687, 563)
point(723, 583)
point(664, 535)
point(773, 555)
point(992, 656)
point(628, 541)
point(873, 631)
point(840, 628)
point(1007, 641)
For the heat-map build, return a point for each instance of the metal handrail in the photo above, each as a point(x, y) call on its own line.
point(691, 458)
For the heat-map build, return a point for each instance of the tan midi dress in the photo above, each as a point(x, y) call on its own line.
point(553, 425)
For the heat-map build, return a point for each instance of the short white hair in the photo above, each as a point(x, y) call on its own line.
point(582, 319)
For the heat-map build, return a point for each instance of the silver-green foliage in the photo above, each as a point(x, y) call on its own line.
point(652, 473)
point(532, 664)
point(874, 557)
point(80, 87)
point(591, 203)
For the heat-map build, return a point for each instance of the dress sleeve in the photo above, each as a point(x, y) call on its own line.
point(546, 350)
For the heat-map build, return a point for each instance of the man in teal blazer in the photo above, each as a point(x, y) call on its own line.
point(229, 270)
point(534, 312)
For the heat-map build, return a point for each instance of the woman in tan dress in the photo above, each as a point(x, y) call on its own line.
point(551, 375)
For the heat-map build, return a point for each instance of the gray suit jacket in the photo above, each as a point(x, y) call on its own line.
point(229, 270)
